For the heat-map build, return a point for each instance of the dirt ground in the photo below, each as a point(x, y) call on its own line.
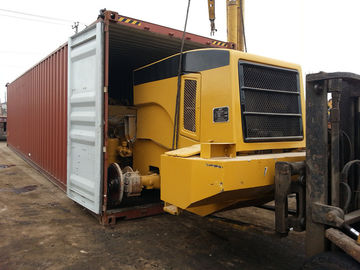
point(40, 228)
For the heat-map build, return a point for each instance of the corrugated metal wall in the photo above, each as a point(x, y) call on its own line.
point(37, 115)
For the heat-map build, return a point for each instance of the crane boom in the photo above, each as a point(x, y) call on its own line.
point(234, 19)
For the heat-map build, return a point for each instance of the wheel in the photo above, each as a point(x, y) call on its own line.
point(115, 185)
point(331, 261)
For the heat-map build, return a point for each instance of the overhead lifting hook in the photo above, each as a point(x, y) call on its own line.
point(211, 6)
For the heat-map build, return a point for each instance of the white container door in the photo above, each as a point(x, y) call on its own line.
point(85, 117)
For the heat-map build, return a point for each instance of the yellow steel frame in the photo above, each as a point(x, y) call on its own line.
point(204, 186)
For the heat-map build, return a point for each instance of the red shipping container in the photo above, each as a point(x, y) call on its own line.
point(39, 128)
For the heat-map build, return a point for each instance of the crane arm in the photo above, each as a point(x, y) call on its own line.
point(235, 22)
point(211, 6)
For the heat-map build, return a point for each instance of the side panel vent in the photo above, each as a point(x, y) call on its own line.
point(190, 105)
point(270, 103)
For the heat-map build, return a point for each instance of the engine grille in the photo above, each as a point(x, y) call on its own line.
point(270, 103)
point(190, 105)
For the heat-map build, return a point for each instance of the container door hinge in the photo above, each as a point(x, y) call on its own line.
point(104, 149)
point(105, 89)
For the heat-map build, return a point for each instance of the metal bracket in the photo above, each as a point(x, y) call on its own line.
point(327, 214)
point(285, 185)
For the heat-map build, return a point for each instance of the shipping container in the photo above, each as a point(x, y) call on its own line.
point(58, 111)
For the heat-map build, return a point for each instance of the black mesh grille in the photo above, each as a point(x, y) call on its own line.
point(260, 126)
point(190, 105)
point(270, 103)
point(257, 76)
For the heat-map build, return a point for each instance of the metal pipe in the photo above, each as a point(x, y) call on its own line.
point(344, 242)
point(150, 181)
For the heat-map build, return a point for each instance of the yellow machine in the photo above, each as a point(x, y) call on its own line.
point(232, 118)
point(239, 114)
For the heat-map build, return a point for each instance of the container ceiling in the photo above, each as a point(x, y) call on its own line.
point(137, 47)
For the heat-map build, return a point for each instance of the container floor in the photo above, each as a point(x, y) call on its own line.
point(40, 228)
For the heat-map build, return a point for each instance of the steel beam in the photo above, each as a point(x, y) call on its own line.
point(316, 162)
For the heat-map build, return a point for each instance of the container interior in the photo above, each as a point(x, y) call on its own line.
point(131, 48)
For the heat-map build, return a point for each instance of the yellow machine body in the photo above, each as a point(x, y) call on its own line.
point(204, 186)
point(214, 167)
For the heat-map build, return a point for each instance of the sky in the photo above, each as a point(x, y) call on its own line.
point(320, 35)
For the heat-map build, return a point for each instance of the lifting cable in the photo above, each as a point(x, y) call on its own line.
point(177, 106)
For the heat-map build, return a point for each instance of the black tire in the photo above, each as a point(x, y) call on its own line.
point(331, 261)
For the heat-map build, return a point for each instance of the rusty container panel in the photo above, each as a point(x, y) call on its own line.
point(37, 116)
